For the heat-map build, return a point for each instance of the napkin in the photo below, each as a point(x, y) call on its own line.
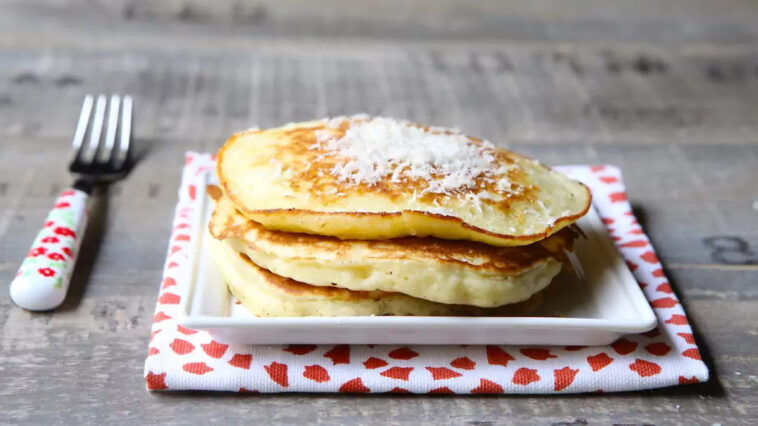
point(182, 359)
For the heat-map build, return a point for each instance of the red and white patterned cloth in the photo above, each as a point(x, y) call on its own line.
point(181, 359)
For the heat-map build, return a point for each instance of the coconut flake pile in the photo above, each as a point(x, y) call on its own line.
point(373, 149)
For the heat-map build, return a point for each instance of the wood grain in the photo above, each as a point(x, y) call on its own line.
point(664, 90)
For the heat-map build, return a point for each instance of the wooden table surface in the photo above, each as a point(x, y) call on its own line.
point(666, 90)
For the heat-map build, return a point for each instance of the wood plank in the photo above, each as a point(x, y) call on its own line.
point(123, 23)
point(514, 95)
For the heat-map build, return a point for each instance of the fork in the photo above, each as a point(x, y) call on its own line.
point(43, 277)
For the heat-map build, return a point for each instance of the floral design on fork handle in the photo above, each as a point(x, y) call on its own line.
point(42, 279)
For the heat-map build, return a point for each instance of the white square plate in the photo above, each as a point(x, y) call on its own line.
point(597, 310)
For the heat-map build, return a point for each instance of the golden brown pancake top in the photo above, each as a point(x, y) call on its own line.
point(312, 170)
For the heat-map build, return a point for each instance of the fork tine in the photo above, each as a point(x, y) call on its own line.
point(88, 154)
point(81, 125)
point(104, 154)
point(126, 132)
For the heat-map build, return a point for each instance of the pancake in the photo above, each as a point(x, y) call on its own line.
point(450, 272)
point(268, 295)
point(378, 178)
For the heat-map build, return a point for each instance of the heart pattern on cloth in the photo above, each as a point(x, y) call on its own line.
point(179, 358)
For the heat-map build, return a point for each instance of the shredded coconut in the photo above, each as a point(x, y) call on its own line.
point(373, 149)
point(279, 166)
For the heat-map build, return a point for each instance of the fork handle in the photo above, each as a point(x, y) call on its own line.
point(42, 279)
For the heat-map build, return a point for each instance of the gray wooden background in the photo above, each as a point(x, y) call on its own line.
point(667, 90)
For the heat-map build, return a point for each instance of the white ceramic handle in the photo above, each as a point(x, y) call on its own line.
point(42, 280)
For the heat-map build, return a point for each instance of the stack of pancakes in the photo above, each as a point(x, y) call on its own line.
point(373, 216)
